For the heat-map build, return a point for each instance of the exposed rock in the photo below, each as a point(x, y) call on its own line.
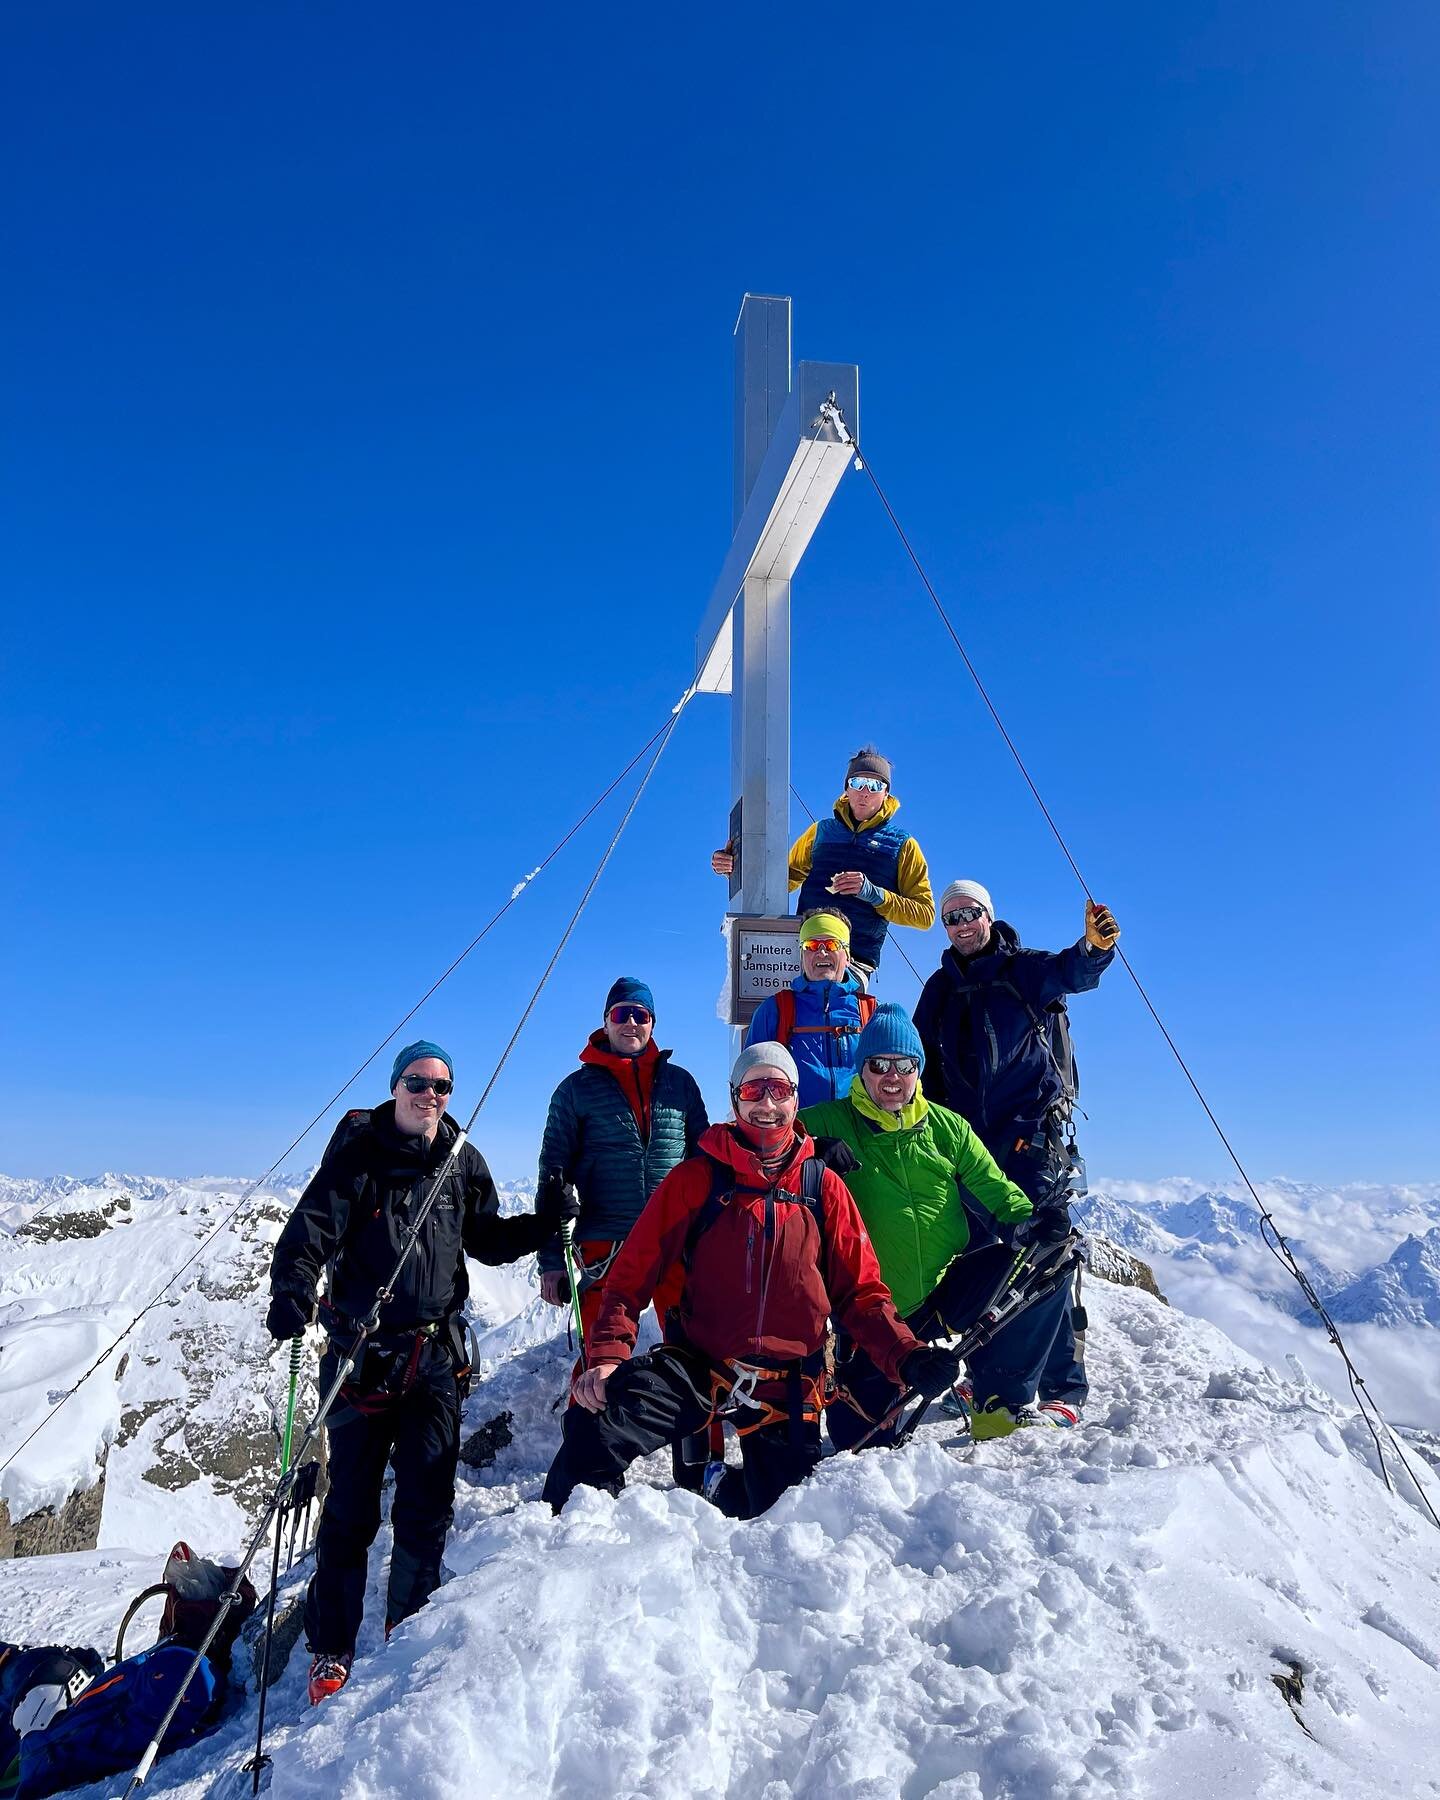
point(1107, 1259)
point(50, 1531)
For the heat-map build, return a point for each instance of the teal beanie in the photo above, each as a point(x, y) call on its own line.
point(890, 1033)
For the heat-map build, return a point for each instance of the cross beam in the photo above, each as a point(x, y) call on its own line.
point(789, 458)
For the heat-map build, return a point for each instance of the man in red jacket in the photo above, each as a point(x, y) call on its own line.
point(771, 1244)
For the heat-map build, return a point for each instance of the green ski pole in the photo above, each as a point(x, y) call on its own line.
point(260, 1761)
point(567, 1246)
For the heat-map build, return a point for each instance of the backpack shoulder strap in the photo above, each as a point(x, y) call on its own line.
point(722, 1186)
point(812, 1192)
point(351, 1125)
point(784, 1015)
point(867, 1004)
point(715, 1202)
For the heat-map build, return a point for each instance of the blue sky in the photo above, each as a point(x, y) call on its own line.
point(367, 388)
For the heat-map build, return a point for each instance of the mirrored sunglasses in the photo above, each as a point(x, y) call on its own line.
point(417, 1084)
point(833, 945)
point(883, 1065)
point(872, 784)
point(766, 1087)
point(962, 915)
point(629, 1015)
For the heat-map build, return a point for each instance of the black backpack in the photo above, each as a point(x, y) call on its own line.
point(722, 1186)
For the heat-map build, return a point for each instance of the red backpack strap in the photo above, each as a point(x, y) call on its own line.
point(867, 1004)
point(784, 1015)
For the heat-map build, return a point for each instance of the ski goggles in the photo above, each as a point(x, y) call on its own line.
point(833, 945)
point(888, 1065)
point(962, 915)
point(765, 1087)
point(629, 1015)
point(418, 1084)
point(869, 784)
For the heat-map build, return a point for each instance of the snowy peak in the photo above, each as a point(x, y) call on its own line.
point(1403, 1290)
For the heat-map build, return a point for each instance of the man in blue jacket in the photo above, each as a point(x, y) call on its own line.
point(617, 1126)
point(820, 1016)
point(989, 1018)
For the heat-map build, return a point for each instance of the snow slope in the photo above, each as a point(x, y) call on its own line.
point(1076, 1614)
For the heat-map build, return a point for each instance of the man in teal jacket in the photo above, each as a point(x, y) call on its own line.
point(617, 1126)
point(910, 1156)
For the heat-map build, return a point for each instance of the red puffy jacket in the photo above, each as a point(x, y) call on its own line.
point(746, 1298)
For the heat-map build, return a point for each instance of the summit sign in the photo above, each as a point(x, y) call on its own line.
point(764, 957)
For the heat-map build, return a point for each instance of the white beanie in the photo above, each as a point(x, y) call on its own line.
point(764, 1056)
point(968, 890)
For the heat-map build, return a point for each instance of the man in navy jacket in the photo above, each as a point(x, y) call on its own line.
point(990, 1055)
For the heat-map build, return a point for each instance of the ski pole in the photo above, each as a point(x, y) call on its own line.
point(260, 1761)
point(286, 1482)
point(567, 1247)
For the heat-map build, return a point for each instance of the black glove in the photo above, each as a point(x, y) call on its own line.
point(1043, 1228)
point(930, 1370)
point(288, 1316)
point(555, 1201)
point(836, 1155)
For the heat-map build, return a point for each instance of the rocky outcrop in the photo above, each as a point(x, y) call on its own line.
point(1111, 1262)
point(51, 1530)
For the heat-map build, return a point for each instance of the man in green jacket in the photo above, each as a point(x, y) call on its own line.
point(909, 1156)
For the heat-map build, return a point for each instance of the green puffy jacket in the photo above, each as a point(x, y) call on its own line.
point(905, 1189)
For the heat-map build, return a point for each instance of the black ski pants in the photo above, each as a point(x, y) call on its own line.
point(660, 1398)
point(1006, 1368)
point(418, 1433)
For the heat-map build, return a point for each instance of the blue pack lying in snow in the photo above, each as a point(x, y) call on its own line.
point(105, 1729)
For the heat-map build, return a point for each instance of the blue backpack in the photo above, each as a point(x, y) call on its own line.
point(36, 1685)
point(106, 1727)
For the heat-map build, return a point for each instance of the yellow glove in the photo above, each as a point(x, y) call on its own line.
point(1101, 931)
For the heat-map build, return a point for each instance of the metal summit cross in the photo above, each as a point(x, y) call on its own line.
point(791, 449)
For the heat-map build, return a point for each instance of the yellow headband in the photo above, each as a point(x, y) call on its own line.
point(833, 925)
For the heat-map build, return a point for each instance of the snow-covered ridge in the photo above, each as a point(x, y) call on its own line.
point(1063, 1616)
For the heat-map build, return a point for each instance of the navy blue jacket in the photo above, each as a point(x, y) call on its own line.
point(983, 1056)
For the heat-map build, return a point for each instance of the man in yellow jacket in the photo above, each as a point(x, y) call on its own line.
point(860, 862)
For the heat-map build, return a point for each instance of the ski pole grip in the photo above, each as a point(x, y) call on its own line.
point(297, 1350)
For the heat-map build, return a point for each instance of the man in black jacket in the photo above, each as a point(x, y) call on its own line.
point(402, 1403)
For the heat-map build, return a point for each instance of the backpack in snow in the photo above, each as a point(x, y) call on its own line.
point(193, 1586)
point(785, 1026)
point(106, 1727)
point(36, 1685)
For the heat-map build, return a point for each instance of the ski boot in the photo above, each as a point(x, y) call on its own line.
point(959, 1403)
point(328, 1674)
point(1058, 1412)
point(994, 1420)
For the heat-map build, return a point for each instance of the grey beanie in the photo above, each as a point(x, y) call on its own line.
point(763, 1056)
point(968, 890)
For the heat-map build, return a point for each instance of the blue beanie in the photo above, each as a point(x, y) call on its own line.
point(630, 988)
point(890, 1033)
point(417, 1052)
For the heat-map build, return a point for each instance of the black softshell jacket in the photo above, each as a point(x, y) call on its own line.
point(354, 1214)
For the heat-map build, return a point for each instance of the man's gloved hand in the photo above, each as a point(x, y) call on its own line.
point(836, 1155)
point(556, 1200)
point(930, 1370)
point(288, 1316)
point(1043, 1228)
point(1101, 931)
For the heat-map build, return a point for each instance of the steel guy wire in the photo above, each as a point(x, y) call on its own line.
point(229, 1219)
point(1279, 1248)
point(412, 1236)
